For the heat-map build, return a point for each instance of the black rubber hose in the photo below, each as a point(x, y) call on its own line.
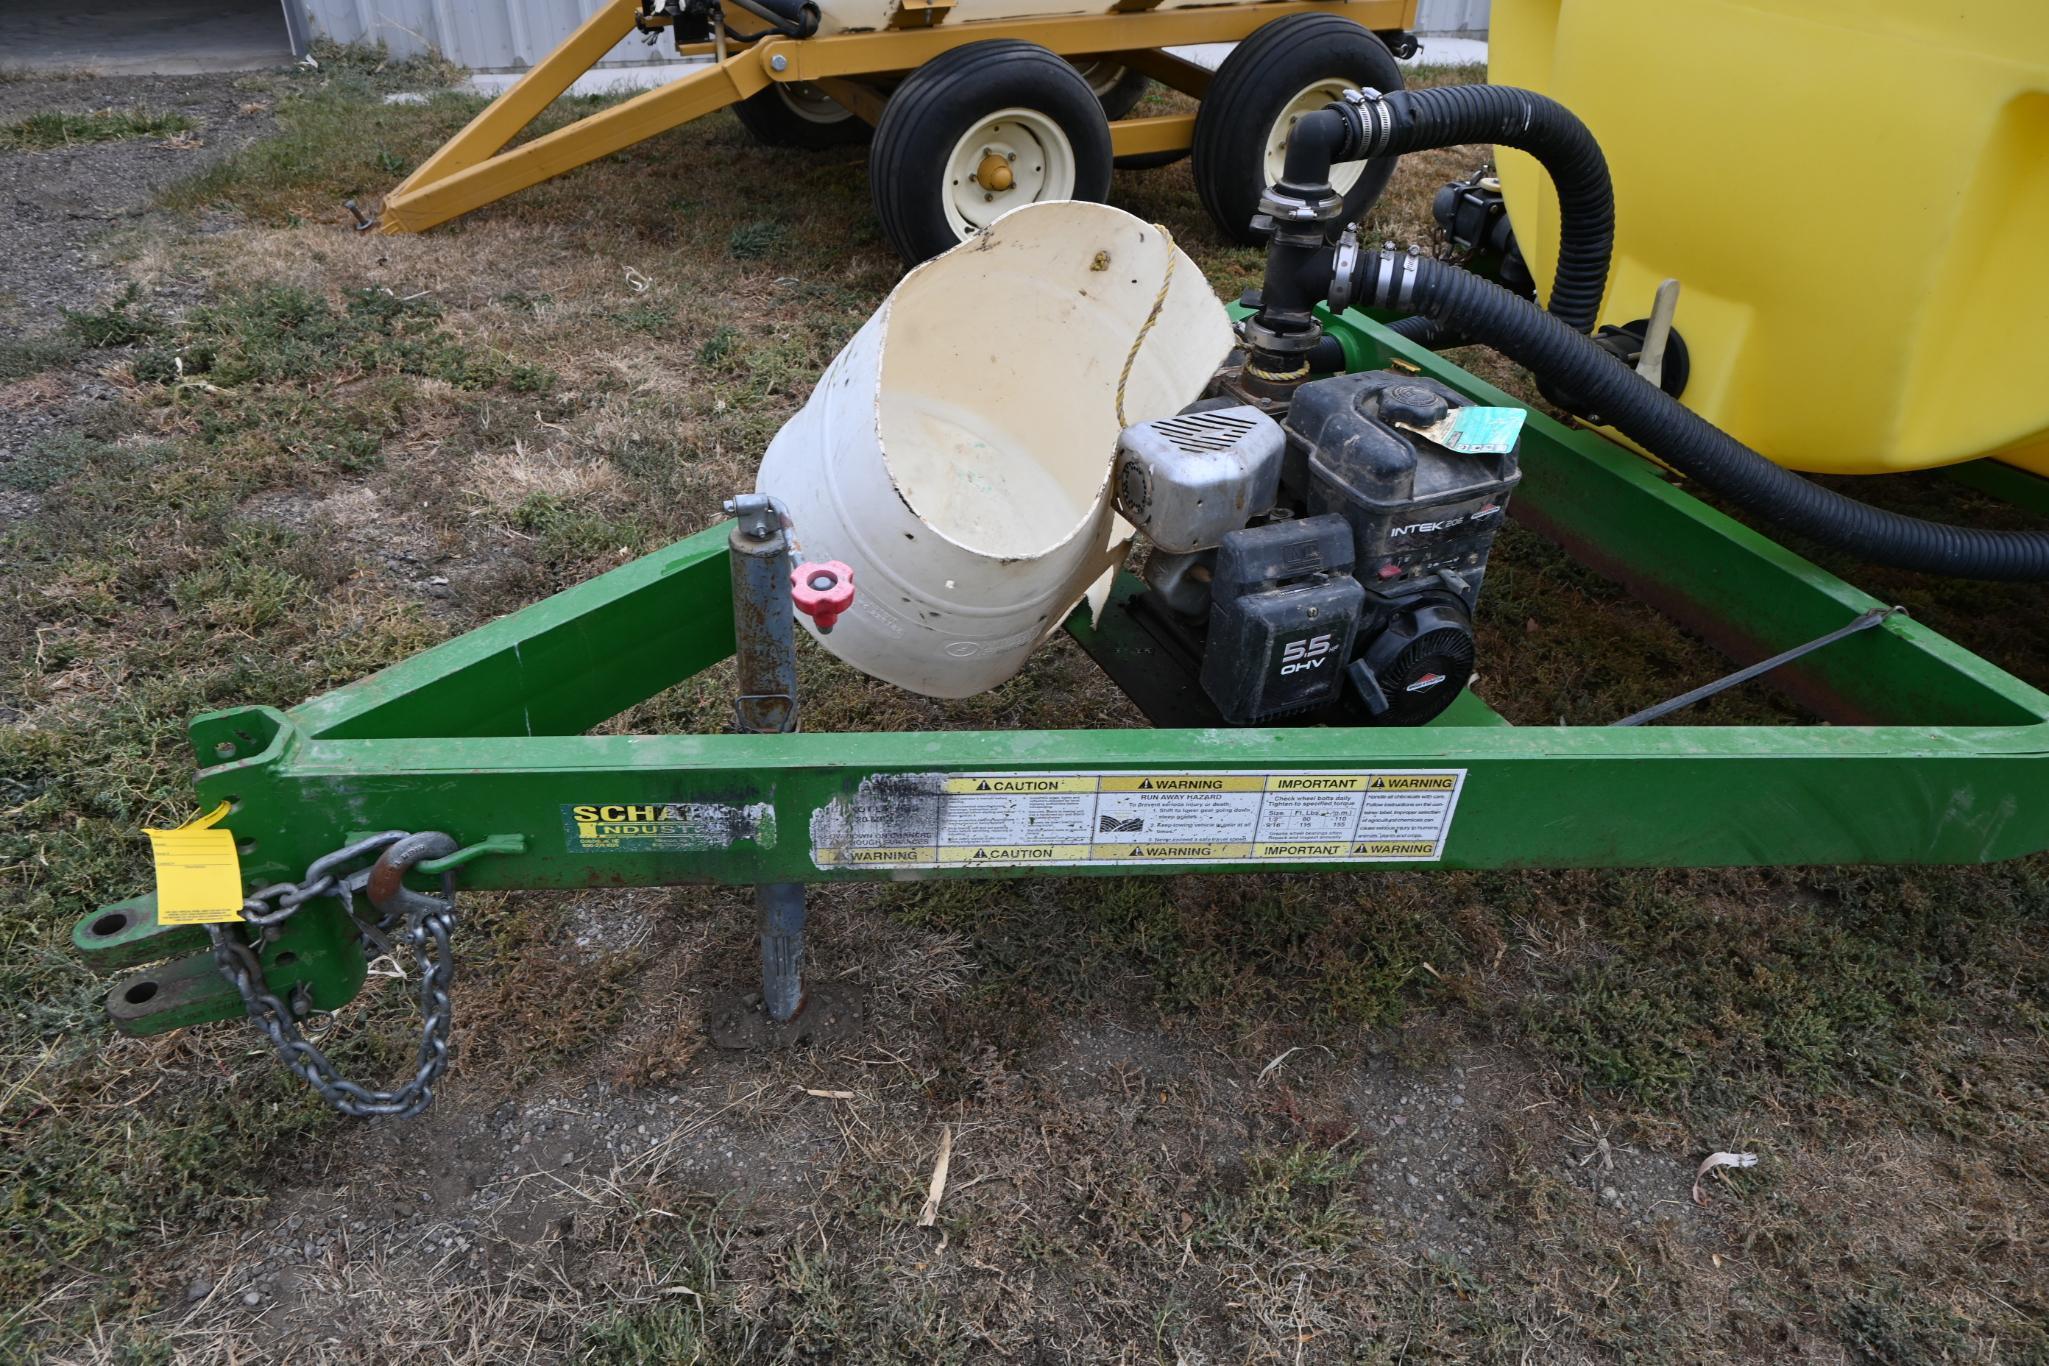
point(1327, 357)
point(1484, 312)
point(1450, 115)
point(1425, 332)
point(790, 18)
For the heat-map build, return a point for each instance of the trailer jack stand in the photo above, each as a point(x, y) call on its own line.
point(781, 909)
point(765, 656)
point(785, 1013)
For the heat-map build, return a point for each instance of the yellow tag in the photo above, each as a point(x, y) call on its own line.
point(199, 876)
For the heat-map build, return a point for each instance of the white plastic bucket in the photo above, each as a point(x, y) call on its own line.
point(957, 453)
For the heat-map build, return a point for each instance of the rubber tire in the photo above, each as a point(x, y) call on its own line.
point(1118, 102)
point(1248, 93)
point(1124, 93)
point(772, 122)
point(944, 98)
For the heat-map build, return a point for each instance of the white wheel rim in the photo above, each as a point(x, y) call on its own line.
point(1032, 146)
point(811, 104)
point(1344, 174)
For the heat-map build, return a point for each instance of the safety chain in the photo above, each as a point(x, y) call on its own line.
point(429, 921)
point(280, 901)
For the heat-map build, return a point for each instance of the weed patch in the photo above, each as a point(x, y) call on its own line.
point(123, 322)
point(337, 138)
point(21, 357)
point(752, 241)
point(282, 334)
point(1681, 997)
point(1296, 1203)
point(42, 132)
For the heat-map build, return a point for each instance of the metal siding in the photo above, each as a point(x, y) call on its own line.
point(494, 35)
point(297, 28)
point(1453, 16)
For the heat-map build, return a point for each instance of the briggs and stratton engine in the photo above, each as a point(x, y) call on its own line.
point(1322, 569)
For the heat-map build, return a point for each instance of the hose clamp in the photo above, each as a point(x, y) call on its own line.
point(1282, 206)
point(1347, 107)
point(1342, 266)
point(1411, 265)
point(1383, 283)
point(1370, 113)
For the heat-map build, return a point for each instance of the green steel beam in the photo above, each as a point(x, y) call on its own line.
point(558, 667)
point(1533, 797)
point(2021, 488)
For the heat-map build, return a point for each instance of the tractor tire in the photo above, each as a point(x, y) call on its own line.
point(1120, 89)
point(798, 114)
point(1007, 109)
point(1117, 87)
point(1289, 68)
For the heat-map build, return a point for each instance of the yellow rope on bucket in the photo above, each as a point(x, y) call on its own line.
point(1159, 302)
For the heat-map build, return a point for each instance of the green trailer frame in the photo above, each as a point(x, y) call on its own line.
point(1932, 755)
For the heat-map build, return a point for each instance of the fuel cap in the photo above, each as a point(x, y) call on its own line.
point(1413, 405)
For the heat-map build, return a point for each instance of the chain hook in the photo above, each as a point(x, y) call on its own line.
point(386, 888)
point(430, 920)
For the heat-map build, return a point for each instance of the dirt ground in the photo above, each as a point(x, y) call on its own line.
point(65, 203)
point(247, 454)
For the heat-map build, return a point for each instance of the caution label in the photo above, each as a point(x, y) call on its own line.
point(1071, 819)
point(1018, 782)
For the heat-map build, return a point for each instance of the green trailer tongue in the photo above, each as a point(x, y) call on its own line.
point(1932, 755)
point(1318, 525)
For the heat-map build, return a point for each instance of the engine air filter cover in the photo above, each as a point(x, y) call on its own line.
point(1284, 614)
point(1187, 480)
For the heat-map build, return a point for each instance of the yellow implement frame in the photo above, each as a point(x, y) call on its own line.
point(471, 169)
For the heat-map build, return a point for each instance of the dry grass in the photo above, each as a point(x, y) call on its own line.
point(1298, 1119)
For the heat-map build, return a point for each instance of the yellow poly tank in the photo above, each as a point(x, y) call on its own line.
point(1853, 194)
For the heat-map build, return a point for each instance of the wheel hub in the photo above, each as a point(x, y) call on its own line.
point(811, 104)
point(1012, 157)
point(994, 173)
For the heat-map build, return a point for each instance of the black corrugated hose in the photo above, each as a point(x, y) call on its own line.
point(1450, 116)
point(1427, 333)
point(1544, 343)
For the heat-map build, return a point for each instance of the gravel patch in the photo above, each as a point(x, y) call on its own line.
point(63, 205)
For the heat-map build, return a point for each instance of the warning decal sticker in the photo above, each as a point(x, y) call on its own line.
point(665, 827)
point(1062, 819)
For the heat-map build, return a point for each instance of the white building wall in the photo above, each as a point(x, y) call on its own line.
point(1463, 17)
point(484, 35)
